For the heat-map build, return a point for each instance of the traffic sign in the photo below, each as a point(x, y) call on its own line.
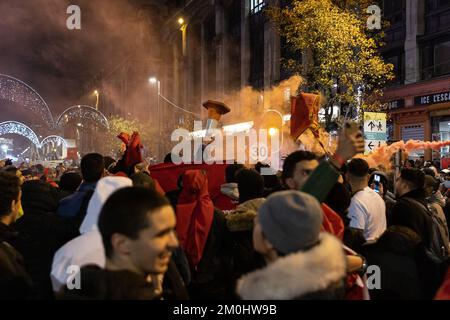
point(375, 130)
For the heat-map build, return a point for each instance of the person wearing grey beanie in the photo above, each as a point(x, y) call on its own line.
point(302, 262)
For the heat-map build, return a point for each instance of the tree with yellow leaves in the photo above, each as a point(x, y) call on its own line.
point(340, 57)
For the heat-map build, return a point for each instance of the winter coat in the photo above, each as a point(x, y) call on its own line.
point(314, 274)
point(413, 215)
point(87, 248)
point(174, 287)
point(15, 283)
point(42, 233)
point(243, 257)
point(210, 278)
point(101, 284)
point(395, 253)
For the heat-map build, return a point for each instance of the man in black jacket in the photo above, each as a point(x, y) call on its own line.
point(14, 280)
point(410, 210)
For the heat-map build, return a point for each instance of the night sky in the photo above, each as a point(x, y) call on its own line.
point(62, 65)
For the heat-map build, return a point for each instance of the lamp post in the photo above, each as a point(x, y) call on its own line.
point(96, 93)
point(153, 80)
point(183, 28)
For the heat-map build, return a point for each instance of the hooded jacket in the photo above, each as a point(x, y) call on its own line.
point(195, 213)
point(88, 247)
point(317, 273)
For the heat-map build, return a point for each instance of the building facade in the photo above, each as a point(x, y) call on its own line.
point(418, 44)
point(221, 47)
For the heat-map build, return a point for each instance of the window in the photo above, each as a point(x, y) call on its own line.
point(442, 58)
point(256, 5)
point(444, 3)
point(394, 11)
point(397, 61)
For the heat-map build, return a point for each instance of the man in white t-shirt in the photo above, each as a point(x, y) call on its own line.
point(367, 211)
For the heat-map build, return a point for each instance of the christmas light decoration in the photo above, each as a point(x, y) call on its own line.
point(17, 91)
point(82, 112)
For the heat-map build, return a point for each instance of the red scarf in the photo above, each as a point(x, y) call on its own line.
point(195, 212)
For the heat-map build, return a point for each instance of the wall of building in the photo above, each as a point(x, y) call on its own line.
point(421, 91)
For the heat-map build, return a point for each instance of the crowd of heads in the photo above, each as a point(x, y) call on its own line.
point(138, 222)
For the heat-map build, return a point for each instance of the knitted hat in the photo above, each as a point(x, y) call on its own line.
point(291, 220)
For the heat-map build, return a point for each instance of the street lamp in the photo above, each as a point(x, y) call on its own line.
point(183, 28)
point(154, 80)
point(96, 93)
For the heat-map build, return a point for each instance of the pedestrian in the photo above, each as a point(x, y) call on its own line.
point(86, 248)
point(302, 262)
point(137, 228)
point(244, 258)
point(395, 254)
point(411, 211)
point(15, 283)
point(203, 235)
point(367, 211)
point(41, 233)
point(92, 170)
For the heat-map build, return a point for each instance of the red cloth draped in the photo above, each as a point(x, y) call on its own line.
point(158, 187)
point(304, 114)
point(195, 212)
point(132, 155)
point(168, 173)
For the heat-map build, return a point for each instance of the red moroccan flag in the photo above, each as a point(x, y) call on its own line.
point(304, 114)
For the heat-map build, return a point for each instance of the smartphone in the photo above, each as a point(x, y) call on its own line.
point(377, 180)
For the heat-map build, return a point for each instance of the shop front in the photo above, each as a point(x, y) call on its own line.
point(421, 111)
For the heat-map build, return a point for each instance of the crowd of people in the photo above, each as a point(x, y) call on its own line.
point(108, 230)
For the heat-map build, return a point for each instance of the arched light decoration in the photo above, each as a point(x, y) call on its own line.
point(14, 127)
point(55, 139)
point(82, 112)
point(17, 91)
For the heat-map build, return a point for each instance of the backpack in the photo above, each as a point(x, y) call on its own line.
point(438, 250)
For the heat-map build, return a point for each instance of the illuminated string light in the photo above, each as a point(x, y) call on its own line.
point(82, 112)
point(14, 127)
point(17, 91)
